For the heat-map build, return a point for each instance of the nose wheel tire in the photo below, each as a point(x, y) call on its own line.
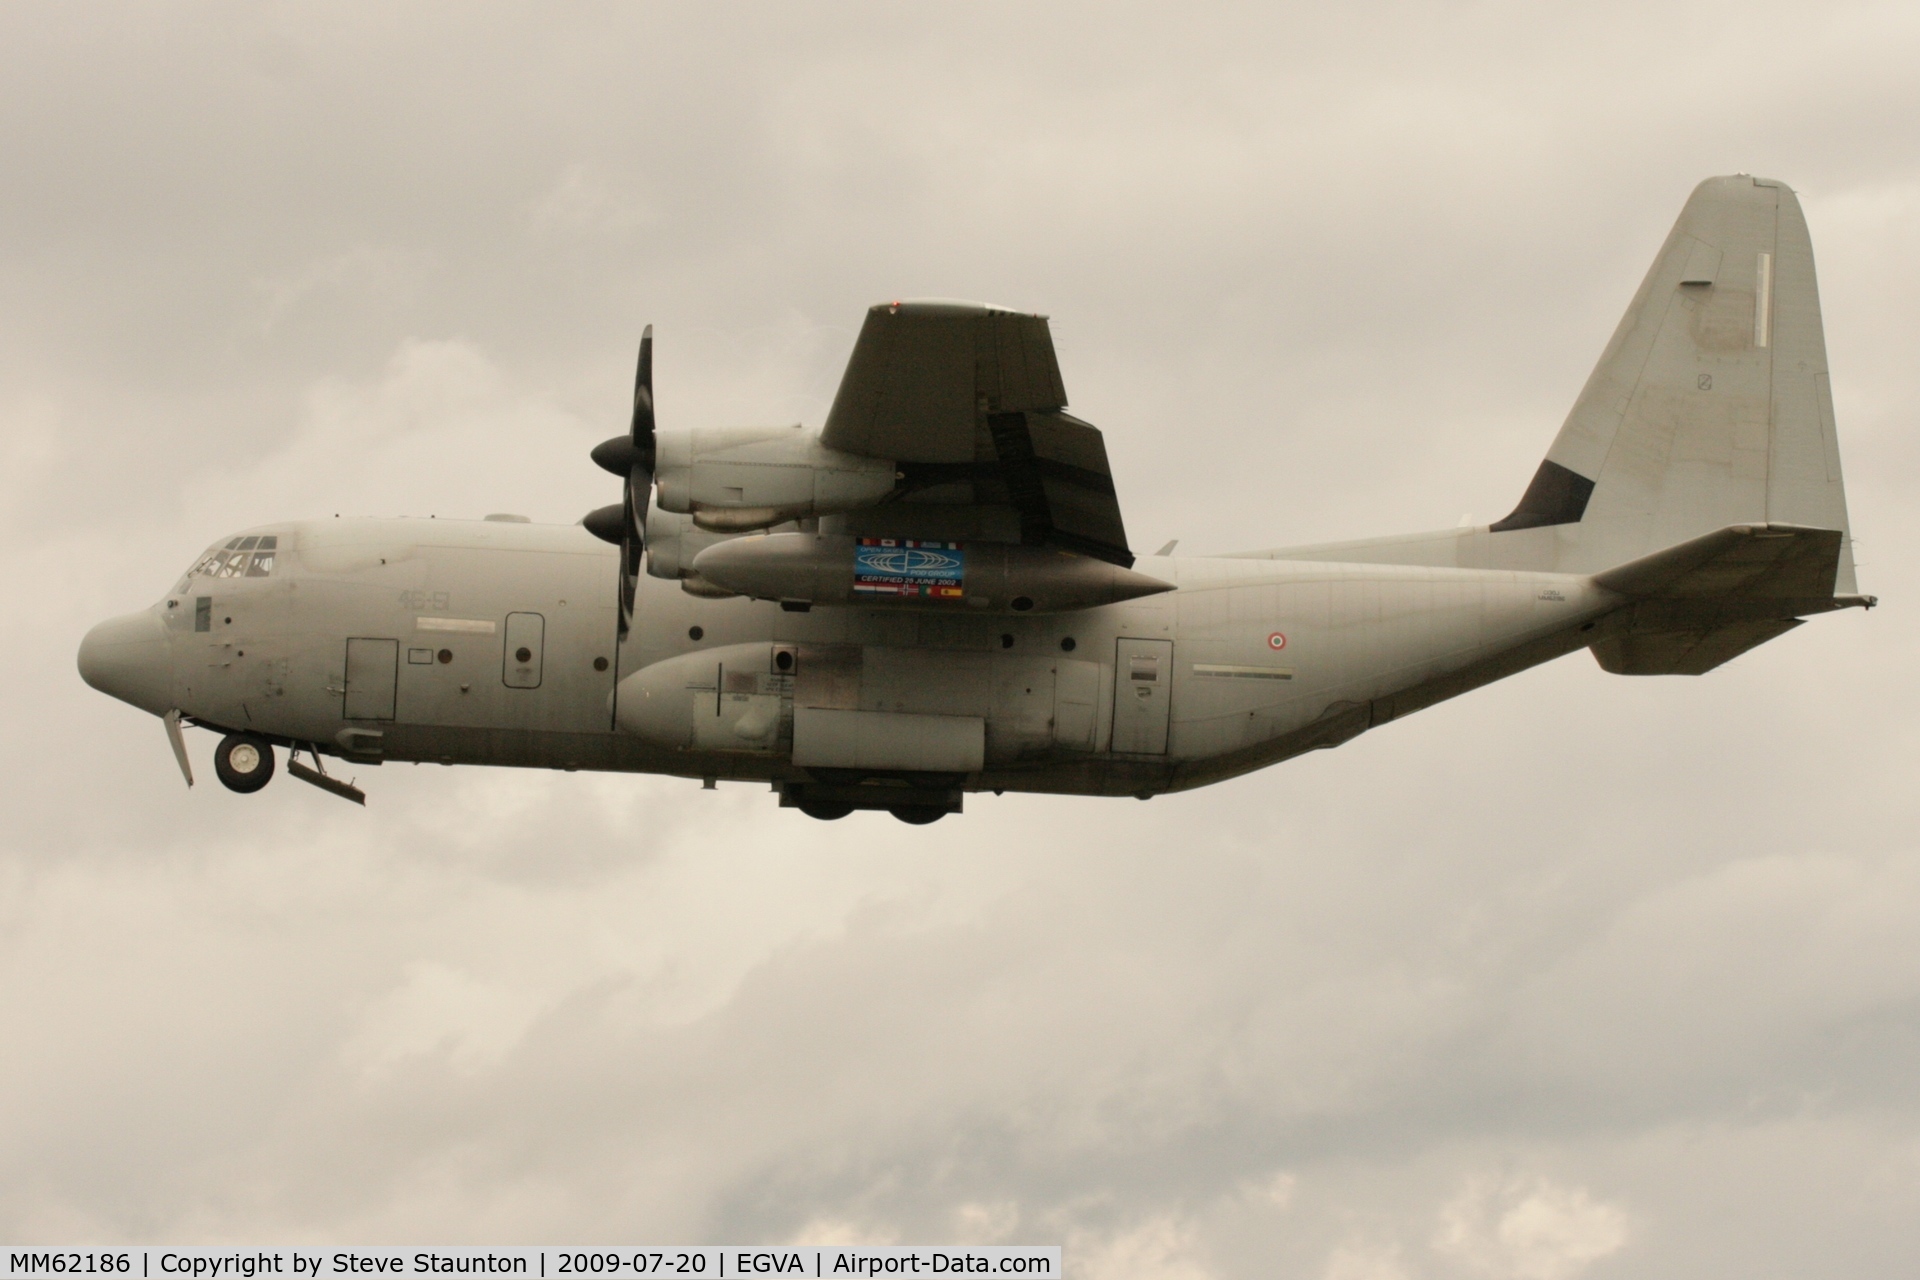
point(918, 815)
point(825, 811)
point(244, 762)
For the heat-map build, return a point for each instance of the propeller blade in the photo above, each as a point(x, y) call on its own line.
point(630, 547)
point(628, 583)
point(631, 456)
point(633, 533)
point(641, 432)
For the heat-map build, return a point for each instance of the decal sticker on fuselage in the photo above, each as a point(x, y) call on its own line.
point(909, 567)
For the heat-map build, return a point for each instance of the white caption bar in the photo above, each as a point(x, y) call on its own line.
point(709, 1262)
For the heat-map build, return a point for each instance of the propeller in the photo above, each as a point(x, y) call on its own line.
point(630, 457)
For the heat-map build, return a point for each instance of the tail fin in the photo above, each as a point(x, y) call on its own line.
point(1710, 407)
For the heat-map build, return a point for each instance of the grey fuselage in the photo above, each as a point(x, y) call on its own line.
point(494, 642)
point(980, 624)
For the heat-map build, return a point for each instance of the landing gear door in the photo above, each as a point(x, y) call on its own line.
point(1142, 696)
point(373, 674)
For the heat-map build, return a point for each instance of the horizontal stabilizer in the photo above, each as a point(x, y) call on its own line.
point(1712, 598)
point(1685, 653)
point(1740, 562)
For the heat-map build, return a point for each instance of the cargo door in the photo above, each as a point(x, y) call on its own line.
point(1142, 696)
point(522, 658)
point(373, 674)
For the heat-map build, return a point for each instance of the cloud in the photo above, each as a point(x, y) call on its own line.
point(1360, 1261)
point(439, 1009)
point(1162, 1248)
point(584, 201)
point(1528, 1229)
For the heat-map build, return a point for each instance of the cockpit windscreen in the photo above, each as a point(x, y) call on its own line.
point(248, 557)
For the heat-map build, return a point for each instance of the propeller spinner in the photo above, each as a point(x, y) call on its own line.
point(630, 456)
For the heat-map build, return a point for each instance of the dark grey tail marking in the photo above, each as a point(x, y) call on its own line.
point(1556, 496)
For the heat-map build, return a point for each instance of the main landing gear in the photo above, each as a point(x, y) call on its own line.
point(830, 810)
point(244, 762)
point(915, 799)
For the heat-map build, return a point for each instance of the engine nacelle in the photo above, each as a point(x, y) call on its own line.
point(997, 577)
point(738, 478)
point(672, 543)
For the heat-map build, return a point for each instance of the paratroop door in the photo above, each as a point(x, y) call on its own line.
point(526, 634)
point(373, 673)
point(1142, 695)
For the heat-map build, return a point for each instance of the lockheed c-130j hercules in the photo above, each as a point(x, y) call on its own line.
point(933, 593)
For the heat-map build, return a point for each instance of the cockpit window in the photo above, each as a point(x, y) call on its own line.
point(249, 557)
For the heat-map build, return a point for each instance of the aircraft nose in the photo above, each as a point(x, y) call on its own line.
point(128, 657)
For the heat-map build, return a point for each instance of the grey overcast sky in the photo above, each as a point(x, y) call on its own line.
point(1580, 976)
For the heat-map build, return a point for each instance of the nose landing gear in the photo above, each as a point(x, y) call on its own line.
point(244, 762)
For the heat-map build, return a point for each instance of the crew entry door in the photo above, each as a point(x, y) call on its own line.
point(373, 674)
point(1142, 696)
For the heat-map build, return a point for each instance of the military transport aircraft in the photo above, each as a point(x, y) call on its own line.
point(933, 593)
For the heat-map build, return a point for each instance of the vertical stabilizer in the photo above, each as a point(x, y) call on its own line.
point(1710, 407)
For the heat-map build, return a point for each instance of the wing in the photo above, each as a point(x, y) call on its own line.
point(967, 400)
